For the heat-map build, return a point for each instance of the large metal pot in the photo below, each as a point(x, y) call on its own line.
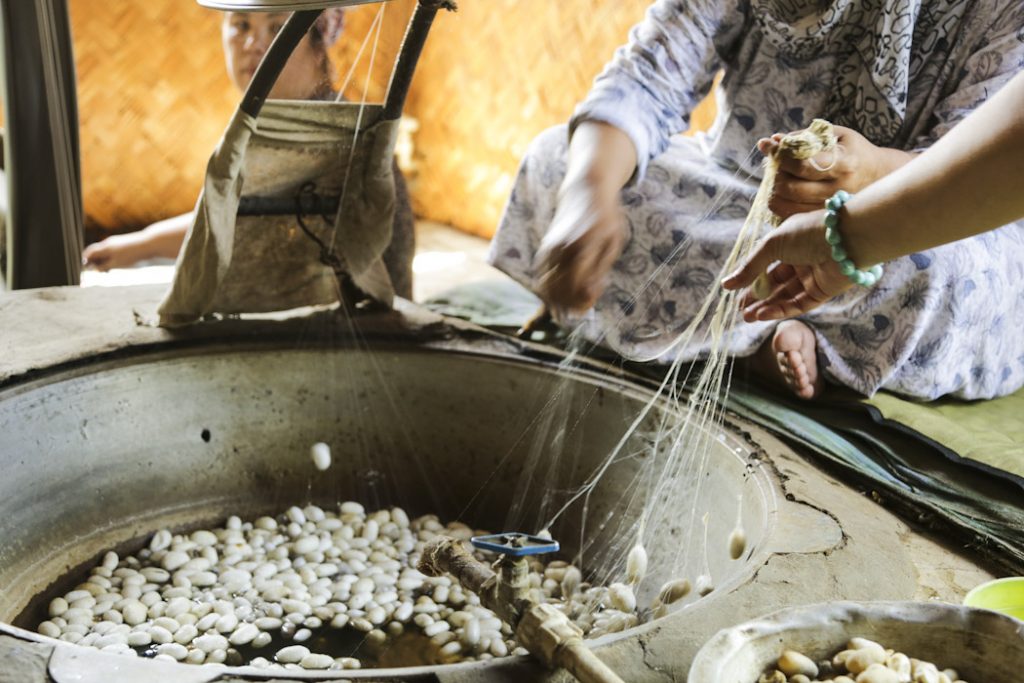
point(143, 429)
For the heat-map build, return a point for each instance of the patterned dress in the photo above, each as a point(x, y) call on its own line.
point(948, 321)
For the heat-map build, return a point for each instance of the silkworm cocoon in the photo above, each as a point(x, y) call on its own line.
point(293, 654)
point(316, 661)
point(926, 673)
point(762, 287)
point(571, 582)
point(361, 624)
point(436, 627)
point(737, 543)
point(245, 633)
point(161, 540)
point(58, 606)
point(50, 629)
point(371, 529)
point(622, 597)
point(471, 633)
point(673, 591)
point(321, 454)
point(859, 660)
point(878, 673)
point(210, 642)
point(176, 650)
point(110, 561)
point(792, 663)
point(138, 639)
point(899, 663)
point(636, 564)
point(194, 597)
point(451, 649)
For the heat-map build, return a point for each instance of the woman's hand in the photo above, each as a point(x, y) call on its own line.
point(804, 277)
point(117, 251)
point(586, 238)
point(162, 239)
point(853, 164)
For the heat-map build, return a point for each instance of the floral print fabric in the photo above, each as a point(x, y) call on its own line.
point(949, 321)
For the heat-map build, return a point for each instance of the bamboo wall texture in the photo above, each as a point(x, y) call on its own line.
point(358, 23)
point(154, 96)
point(493, 76)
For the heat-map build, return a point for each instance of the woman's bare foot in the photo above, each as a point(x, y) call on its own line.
point(789, 358)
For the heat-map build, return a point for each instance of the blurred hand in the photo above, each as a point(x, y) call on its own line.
point(853, 164)
point(116, 251)
point(587, 236)
point(804, 277)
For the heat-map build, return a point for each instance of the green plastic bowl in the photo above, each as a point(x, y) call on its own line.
point(1005, 596)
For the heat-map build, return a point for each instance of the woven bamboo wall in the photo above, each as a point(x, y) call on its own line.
point(154, 96)
point(494, 75)
point(358, 22)
point(153, 100)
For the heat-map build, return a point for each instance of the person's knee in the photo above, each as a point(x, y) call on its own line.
point(543, 165)
point(549, 146)
point(555, 138)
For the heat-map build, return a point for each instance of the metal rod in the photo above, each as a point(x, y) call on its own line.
point(543, 630)
point(308, 205)
point(412, 47)
point(273, 62)
point(445, 554)
point(581, 662)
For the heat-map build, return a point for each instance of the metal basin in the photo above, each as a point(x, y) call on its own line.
point(99, 454)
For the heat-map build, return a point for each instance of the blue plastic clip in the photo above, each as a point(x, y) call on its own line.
point(515, 544)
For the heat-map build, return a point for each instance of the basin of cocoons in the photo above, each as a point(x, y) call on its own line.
point(311, 589)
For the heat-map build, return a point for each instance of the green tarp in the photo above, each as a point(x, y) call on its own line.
point(967, 500)
point(991, 432)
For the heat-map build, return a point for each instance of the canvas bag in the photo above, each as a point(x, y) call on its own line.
point(233, 264)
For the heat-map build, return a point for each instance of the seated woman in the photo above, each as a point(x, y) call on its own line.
point(624, 216)
point(307, 76)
